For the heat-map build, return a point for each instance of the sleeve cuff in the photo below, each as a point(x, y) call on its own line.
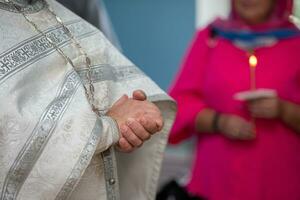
point(110, 134)
point(114, 128)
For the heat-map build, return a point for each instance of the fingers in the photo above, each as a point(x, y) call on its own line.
point(240, 134)
point(130, 136)
point(237, 128)
point(264, 108)
point(245, 129)
point(124, 146)
point(256, 106)
point(152, 124)
point(246, 132)
point(139, 95)
point(138, 129)
point(259, 113)
point(133, 136)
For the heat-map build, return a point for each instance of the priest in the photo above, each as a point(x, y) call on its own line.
point(72, 108)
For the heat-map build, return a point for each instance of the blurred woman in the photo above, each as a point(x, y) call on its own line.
point(249, 148)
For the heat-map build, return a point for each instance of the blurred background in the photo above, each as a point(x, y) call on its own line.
point(155, 35)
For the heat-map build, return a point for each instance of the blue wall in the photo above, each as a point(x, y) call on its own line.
point(154, 34)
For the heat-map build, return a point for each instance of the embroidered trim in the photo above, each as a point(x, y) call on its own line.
point(26, 8)
point(82, 162)
point(35, 144)
point(110, 174)
point(38, 47)
point(106, 72)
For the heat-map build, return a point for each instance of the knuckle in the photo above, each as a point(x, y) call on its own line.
point(160, 122)
point(131, 123)
point(135, 125)
point(151, 124)
point(144, 121)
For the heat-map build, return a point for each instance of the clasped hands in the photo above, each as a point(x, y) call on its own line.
point(236, 127)
point(137, 119)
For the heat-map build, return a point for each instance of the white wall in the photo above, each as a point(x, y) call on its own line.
point(207, 10)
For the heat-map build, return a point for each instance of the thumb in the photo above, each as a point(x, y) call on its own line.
point(139, 95)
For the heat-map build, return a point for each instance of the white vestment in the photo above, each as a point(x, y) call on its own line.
point(52, 146)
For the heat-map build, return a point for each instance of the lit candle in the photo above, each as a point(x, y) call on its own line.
point(253, 63)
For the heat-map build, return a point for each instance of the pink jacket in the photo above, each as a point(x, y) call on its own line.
point(267, 168)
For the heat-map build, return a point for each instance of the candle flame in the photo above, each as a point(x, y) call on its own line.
point(253, 61)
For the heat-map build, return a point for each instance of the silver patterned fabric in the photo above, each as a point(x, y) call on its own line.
point(52, 146)
point(95, 12)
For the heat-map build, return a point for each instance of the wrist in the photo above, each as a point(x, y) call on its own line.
point(216, 122)
point(222, 121)
point(111, 124)
point(281, 109)
point(115, 123)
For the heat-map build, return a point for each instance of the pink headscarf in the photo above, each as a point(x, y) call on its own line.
point(278, 19)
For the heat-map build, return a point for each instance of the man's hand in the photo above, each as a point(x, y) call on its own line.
point(139, 95)
point(137, 119)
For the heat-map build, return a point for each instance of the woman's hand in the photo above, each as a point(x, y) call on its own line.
point(235, 127)
point(137, 119)
point(267, 108)
point(271, 108)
